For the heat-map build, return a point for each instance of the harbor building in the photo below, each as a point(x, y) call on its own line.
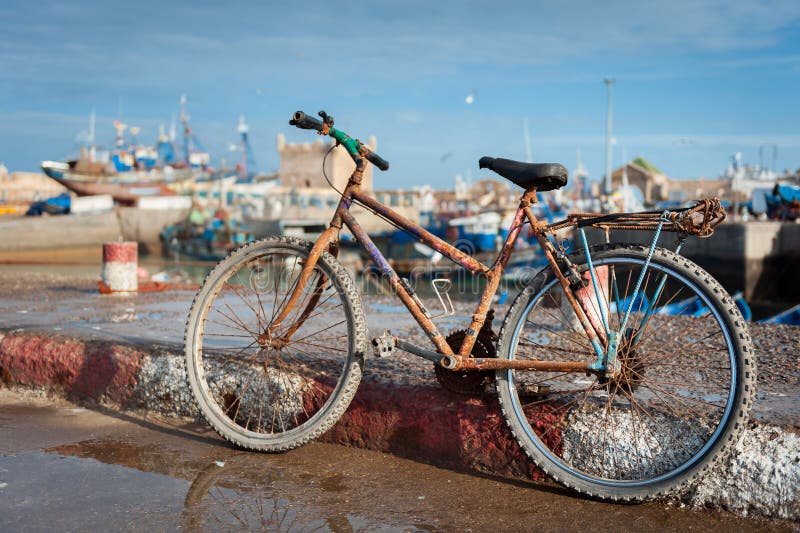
point(653, 183)
point(301, 163)
point(26, 187)
point(302, 202)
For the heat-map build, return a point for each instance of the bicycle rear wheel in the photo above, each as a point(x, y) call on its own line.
point(279, 394)
point(679, 401)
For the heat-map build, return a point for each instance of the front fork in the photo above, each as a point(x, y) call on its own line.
point(326, 241)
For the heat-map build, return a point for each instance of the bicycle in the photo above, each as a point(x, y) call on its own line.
point(605, 384)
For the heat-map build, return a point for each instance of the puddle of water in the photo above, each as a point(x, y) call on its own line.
point(195, 273)
point(53, 492)
point(235, 491)
point(229, 498)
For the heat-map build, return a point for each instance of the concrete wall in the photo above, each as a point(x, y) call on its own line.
point(77, 231)
point(22, 187)
point(49, 232)
point(145, 225)
point(761, 259)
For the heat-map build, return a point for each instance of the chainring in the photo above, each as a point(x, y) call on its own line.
point(469, 383)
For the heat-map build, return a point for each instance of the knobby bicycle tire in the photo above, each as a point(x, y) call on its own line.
point(676, 408)
point(279, 396)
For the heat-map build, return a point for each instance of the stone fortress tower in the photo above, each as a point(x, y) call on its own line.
point(301, 165)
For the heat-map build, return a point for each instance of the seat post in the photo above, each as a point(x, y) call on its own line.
point(528, 198)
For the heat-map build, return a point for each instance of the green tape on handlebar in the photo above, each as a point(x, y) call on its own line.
point(351, 145)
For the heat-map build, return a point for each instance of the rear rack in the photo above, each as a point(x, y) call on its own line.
point(699, 220)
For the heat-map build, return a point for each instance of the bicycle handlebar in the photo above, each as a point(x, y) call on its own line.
point(355, 147)
point(305, 122)
point(376, 160)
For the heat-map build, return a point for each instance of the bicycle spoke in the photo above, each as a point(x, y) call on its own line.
point(573, 341)
point(548, 348)
point(248, 304)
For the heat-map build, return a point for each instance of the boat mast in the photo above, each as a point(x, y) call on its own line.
point(120, 127)
point(92, 149)
point(247, 167)
point(607, 185)
point(243, 171)
point(187, 132)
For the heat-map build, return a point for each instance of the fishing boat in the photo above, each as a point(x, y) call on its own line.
point(694, 307)
point(131, 169)
point(204, 238)
point(481, 231)
point(125, 187)
point(790, 317)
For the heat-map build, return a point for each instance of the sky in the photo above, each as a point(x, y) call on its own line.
point(696, 80)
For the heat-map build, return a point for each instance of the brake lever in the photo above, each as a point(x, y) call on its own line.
point(326, 119)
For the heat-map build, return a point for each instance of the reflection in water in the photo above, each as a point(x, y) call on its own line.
point(240, 491)
point(219, 500)
point(234, 496)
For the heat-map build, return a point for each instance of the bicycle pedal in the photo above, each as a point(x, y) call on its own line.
point(384, 346)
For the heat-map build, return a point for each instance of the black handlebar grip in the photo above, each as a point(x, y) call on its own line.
point(377, 160)
point(486, 162)
point(304, 122)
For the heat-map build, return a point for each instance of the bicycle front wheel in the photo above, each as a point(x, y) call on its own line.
point(277, 394)
point(678, 401)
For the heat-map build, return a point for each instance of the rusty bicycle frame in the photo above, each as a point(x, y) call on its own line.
point(699, 220)
point(445, 356)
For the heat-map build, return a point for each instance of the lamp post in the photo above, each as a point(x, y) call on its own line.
point(607, 187)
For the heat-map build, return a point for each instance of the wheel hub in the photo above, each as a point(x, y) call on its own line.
point(631, 366)
point(267, 341)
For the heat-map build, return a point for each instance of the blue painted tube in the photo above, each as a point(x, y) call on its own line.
point(643, 272)
point(600, 301)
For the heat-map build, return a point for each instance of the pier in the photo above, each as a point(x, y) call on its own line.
point(22, 234)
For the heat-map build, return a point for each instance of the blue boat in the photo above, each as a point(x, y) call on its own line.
point(640, 304)
point(481, 231)
point(790, 317)
point(209, 239)
point(694, 307)
point(57, 205)
point(784, 203)
point(689, 307)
